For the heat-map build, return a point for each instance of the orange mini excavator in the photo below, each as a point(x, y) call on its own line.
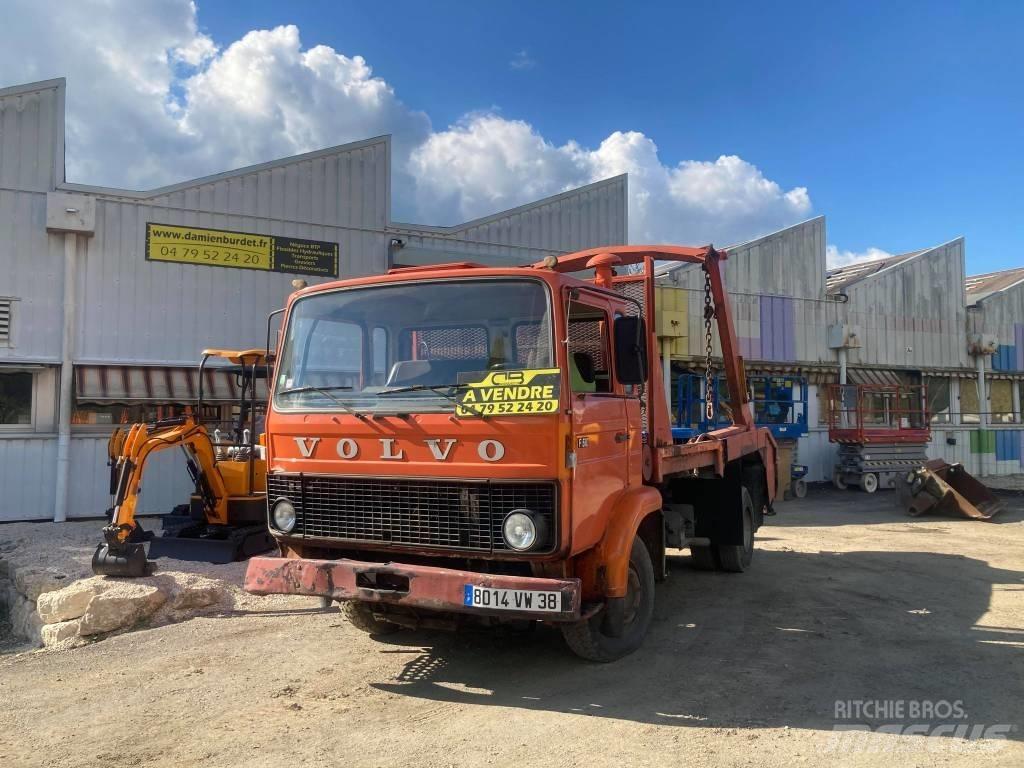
point(227, 514)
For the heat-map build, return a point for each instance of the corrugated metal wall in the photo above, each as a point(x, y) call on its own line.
point(31, 267)
point(31, 272)
point(777, 288)
point(26, 477)
point(132, 310)
point(582, 218)
point(31, 133)
point(1002, 314)
point(913, 314)
point(790, 262)
point(166, 482)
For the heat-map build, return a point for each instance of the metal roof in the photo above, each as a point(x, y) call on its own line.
point(980, 286)
point(841, 277)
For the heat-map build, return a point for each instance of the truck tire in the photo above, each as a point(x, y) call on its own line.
point(703, 558)
point(736, 557)
point(587, 639)
point(360, 615)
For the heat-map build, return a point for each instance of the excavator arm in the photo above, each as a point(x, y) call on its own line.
point(122, 554)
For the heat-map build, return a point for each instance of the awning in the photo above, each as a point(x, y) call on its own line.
point(882, 377)
point(107, 384)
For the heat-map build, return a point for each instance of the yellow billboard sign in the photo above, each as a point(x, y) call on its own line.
point(240, 250)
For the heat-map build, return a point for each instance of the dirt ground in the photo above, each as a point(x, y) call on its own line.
point(848, 601)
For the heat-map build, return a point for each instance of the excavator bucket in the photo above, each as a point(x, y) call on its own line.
point(947, 489)
point(128, 560)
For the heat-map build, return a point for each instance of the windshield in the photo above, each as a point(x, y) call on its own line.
point(347, 349)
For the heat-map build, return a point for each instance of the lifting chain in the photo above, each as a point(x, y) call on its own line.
point(709, 315)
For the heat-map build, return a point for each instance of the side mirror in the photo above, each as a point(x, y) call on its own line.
point(630, 350)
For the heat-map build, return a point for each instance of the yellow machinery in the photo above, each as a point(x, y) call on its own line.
point(227, 514)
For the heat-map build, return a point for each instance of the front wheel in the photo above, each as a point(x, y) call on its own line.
point(588, 639)
point(360, 615)
point(869, 482)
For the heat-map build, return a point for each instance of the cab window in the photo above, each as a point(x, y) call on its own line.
point(589, 359)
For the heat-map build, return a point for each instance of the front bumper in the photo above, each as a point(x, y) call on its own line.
point(414, 586)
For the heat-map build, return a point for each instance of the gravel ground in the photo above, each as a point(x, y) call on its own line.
point(848, 600)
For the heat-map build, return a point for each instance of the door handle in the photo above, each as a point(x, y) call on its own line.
point(621, 437)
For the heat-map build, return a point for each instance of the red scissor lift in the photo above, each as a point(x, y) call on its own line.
point(882, 431)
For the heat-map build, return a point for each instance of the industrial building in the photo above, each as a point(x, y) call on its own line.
point(102, 318)
point(910, 319)
point(102, 321)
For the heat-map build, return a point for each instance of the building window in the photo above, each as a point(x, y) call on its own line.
point(938, 399)
point(970, 413)
point(16, 399)
point(1000, 397)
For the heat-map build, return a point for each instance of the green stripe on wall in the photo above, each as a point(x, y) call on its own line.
point(983, 441)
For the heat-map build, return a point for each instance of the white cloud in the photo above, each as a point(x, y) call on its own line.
point(281, 100)
point(486, 163)
point(152, 100)
point(522, 60)
point(837, 258)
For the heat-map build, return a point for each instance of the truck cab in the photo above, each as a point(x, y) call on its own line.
point(461, 443)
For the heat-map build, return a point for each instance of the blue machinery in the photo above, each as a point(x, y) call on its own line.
point(780, 403)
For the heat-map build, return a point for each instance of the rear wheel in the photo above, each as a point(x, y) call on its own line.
point(703, 558)
point(800, 488)
point(838, 480)
point(869, 482)
point(361, 617)
point(588, 638)
point(737, 557)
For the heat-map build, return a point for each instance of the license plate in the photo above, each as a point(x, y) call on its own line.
point(539, 601)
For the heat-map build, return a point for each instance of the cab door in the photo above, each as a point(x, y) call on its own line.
point(600, 430)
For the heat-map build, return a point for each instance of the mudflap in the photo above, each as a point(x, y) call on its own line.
point(212, 543)
point(717, 503)
point(124, 560)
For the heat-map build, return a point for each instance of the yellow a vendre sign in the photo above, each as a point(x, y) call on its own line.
point(240, 250)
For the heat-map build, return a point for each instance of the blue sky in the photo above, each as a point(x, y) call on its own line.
point(901, 122)
point(905, 121)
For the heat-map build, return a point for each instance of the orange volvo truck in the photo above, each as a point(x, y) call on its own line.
point(459, 442)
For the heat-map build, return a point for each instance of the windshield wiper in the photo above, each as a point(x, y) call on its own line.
point(323, 391)
point(444, 390)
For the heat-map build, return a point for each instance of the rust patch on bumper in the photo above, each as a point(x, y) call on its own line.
point(428, 587)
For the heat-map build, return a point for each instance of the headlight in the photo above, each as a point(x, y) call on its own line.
point(284, 515)
point(522, 530)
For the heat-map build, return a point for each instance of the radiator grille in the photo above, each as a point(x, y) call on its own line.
point(448, 514)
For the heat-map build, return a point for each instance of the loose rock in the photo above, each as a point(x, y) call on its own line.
point(33, 582)
point(52, 634)
point(196, 592)
point(121, 605)
point(70, 602)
